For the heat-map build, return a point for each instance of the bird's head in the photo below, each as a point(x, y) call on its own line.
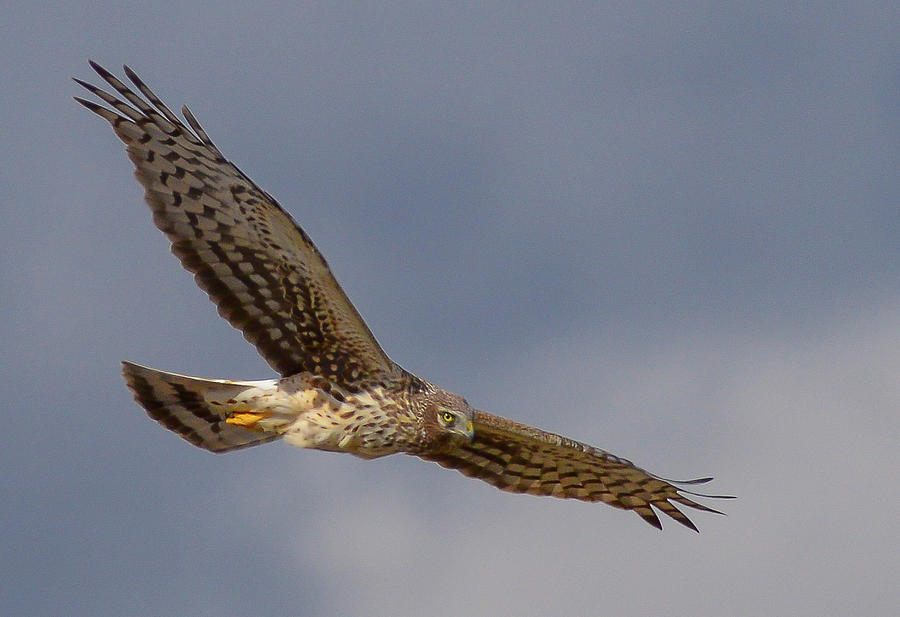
point(448, 419)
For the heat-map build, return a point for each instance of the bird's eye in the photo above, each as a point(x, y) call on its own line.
point(447, 417)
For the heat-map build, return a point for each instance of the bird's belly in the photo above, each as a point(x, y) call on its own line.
point(319, 419)
point(308, 432)
point(341, 429)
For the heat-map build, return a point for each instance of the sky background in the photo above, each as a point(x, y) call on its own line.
point(671, 232)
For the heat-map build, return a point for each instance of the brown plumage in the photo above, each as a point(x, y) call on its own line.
point(338, 389)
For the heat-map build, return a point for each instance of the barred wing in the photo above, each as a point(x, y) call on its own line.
point(257, 265)
point(522, 459)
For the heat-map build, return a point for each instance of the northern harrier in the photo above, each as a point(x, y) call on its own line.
point(338, 389)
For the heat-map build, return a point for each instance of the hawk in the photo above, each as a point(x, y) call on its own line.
point(337, 390)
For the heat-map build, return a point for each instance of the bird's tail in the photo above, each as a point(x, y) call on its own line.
point(212, 414)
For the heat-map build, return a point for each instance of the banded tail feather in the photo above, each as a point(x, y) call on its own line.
point(197, 409)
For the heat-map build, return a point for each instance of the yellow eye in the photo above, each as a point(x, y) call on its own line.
point(447, 417)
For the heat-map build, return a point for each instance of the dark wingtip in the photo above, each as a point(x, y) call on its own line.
point(679, 483)
point(688, 523)
point(89, 104)
point(695, 481)
point(131, 74)
point(97, 67)
point(648, 514)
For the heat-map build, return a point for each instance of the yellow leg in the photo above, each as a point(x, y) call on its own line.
point(247, 419)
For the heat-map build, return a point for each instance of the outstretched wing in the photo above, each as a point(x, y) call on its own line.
point(522, 459)
point(259, 267)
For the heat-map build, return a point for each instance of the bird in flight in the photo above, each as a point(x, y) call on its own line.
point(337, 390)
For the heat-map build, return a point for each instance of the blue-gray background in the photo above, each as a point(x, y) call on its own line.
point(669, 232)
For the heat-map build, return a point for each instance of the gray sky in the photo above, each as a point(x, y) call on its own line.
point(669, 232)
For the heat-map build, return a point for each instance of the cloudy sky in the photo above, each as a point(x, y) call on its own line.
point(669, 232)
